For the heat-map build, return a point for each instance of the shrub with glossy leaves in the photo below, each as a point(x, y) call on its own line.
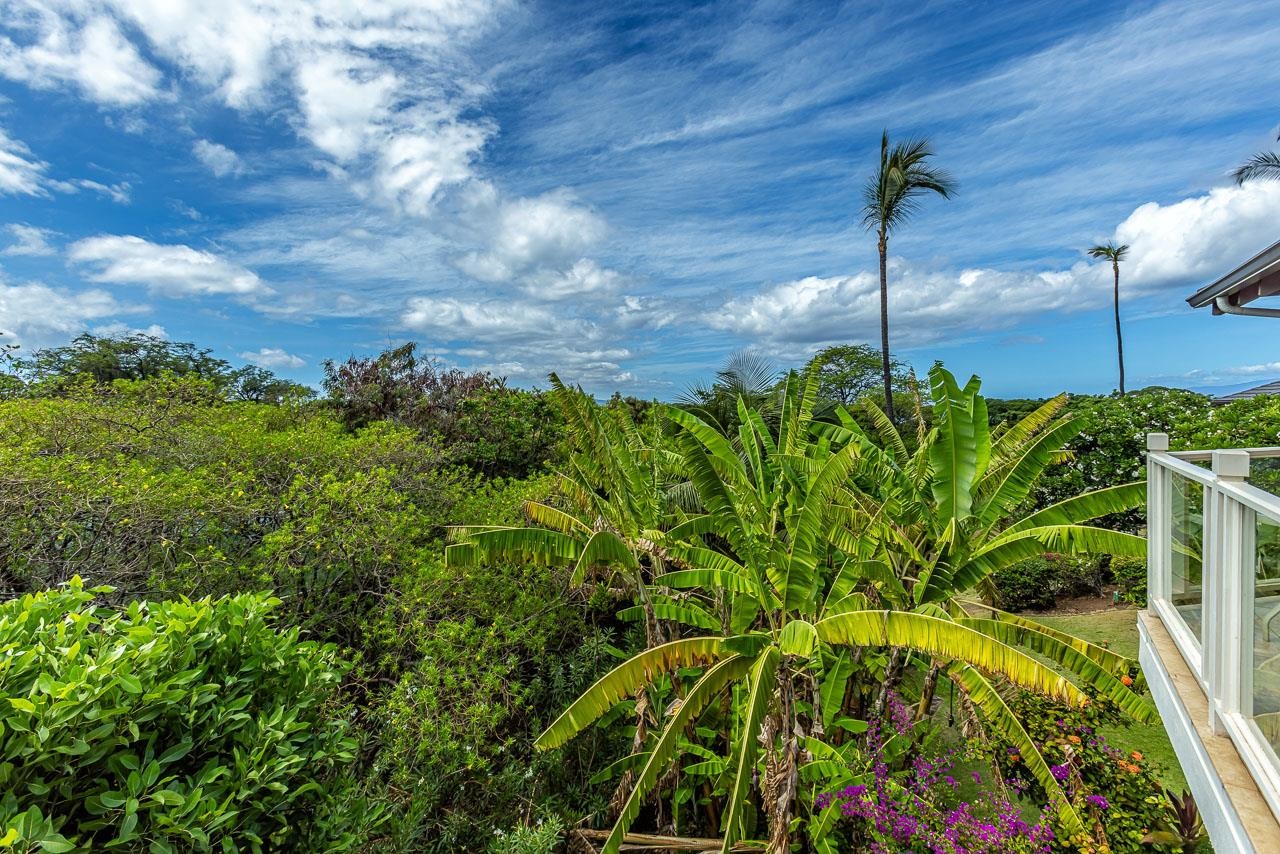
point(172, 726)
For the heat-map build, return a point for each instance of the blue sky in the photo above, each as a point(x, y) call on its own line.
point(628, 193)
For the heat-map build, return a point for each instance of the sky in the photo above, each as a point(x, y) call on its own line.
point(628, 193)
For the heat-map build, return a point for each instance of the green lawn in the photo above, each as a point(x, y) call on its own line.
point(1119, 630)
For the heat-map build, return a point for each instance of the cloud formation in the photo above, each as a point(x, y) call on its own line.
point(273, 357)
point(36, 315)
point(28, 240)
point(222, 161)
point(90, 54)
point(1172, 248)
point(20, 173)
point(167, 270)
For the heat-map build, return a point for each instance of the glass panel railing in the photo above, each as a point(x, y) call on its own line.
point(1186, 592)
point(1266, 631)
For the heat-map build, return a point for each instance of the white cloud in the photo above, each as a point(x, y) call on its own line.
point(520, 340)
point(544, 233)
point(170, 270)
point(94, 57)
point(20, 173)
point(35, 315)
point(399, 136)
point(1198, 239)
point(222, 161)
point(342, 95)
point(452, 319)
point(585, 278)
point(118, 193)
point(28, 240)
point(414, 167)
point(273, 357)
point(1173, 248)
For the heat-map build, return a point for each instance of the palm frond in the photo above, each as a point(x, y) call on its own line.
point(1263, 166)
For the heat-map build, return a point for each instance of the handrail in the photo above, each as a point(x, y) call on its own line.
point(1206, 456)
point(1257, 500)
point(1180, 466)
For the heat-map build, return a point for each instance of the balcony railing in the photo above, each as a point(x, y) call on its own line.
point(1213, 578)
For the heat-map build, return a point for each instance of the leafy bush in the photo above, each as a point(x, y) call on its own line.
point(480, 661)
point(541, 838)
point(1130, 576)
point(163, 726)
point(494, 430)
point(153, 486)
point(1038, 583)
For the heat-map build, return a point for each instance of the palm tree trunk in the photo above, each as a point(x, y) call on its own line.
point(1115, 265)
point(884, 324)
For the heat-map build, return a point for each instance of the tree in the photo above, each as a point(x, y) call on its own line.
point(259, 385)
point(813, 546)
point(890, 197)
point(495, 430)
point(106, 358)
point(1115, 254)
point(1263, 166)
point(848, 372)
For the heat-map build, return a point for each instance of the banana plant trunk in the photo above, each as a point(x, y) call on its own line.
point(779, 736)
point(884, 323)
point(927, 691)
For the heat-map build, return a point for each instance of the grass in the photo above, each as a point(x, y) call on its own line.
point(1119, 631)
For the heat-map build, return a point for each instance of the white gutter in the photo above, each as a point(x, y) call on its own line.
point(1224, 305)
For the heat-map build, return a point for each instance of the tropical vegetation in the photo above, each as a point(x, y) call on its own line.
point(443, 614)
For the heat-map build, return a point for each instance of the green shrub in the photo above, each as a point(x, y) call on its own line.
point(162, 726)
point(1130, 576)
point(479, 662)
point(541, 838)
point(1038, 583)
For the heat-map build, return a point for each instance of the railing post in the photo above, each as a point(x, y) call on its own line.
point(1158, 534)
point(1223, 582)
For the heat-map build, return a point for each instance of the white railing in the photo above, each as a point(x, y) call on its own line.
point(1213, 579)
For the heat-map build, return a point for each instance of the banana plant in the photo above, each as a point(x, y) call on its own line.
point(613, 508)
point(949, 515)
point(817, 543)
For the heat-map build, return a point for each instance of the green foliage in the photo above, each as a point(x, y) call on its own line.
point(1130, 576)
point(155, 486)
point(541, 838)
point(478, 661)
point(1127, 781)
point(849, 372)
point(163, 726)
point(103, 360)
point(1038, 583)
point(803, 525)
point(494, 430)
point(138, 356)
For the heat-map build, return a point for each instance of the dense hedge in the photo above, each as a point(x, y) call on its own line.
point(163, 726)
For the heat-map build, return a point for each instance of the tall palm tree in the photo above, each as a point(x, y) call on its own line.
point(1264, 166)
point(1114, 254)
point(889, 199)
